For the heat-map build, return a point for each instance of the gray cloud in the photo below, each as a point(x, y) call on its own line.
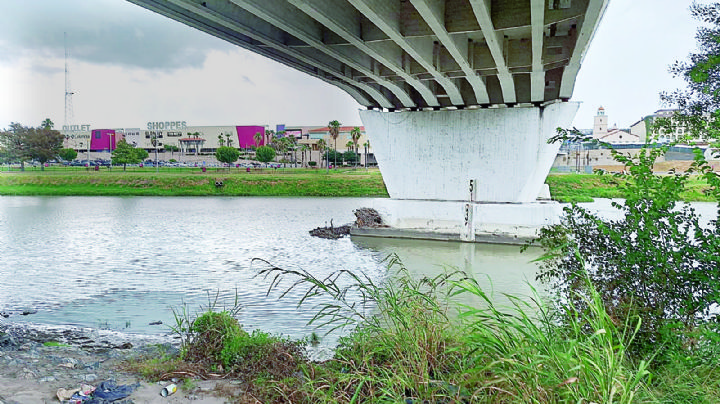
point(112, 32)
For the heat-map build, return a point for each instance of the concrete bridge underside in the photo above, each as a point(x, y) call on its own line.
point(455, 90)
point(412, 54)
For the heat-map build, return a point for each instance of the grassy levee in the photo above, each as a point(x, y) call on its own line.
point(184, 182)
point(586, 187)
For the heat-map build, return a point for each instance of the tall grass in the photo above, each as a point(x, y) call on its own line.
point(416, 345)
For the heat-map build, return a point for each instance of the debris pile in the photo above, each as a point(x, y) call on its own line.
point(367, 217)
point(331, 232)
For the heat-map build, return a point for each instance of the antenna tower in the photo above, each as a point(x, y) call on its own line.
point(68, 93)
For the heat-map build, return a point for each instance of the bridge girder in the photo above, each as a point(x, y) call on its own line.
point(414, 54)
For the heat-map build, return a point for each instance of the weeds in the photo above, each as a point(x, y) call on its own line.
point(406, 341)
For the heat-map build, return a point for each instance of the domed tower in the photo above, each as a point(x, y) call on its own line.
point(600, 128)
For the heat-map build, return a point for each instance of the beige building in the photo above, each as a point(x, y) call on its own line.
point(612, 135)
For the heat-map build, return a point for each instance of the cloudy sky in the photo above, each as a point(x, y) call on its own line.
point(129, 66)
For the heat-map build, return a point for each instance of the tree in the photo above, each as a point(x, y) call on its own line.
point(305, 148)
point(67, 154)
point(656, 269)
point(322, 145)
point(47, 124)
point(127, 154)
point(257, 137)
point(226, 154)
point(221, 141)
point(13, 145)
point(21, 143)
point(265, 154)
point(699, 103)
point(171, 148)
point(269, 137)
point(350, 157)
point(355, 134)
point(334, 130)
point(366, 145)
point(44, 144)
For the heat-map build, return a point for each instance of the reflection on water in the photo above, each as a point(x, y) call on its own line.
point(124, 262)
point(499, 269)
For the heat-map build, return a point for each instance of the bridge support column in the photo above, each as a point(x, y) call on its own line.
point(428, 159)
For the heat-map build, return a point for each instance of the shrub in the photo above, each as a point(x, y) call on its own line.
point(212, 338)
point(264, 154)
point(656, 264)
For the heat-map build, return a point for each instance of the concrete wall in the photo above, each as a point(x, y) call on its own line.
point(432, 155)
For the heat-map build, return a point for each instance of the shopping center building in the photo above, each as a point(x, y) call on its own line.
point(195, 141)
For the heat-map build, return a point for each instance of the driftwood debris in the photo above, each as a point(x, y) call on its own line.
point(331, 232)
point(366, 217)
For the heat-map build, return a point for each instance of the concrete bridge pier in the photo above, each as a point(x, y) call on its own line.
point(468, 174)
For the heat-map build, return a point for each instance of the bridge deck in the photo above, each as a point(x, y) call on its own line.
point(412, 54)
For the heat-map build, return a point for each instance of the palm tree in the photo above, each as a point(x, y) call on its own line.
point(322, 145)
point(355, 134)
point(303, 148)
point(367, 146)
point(258, 137)
point(334, 129)
point(47, 124)
point(269, 136)
point(349, 146)
point(221, 141)
point(290, 139)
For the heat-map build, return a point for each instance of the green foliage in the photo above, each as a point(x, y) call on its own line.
point(43, 144)
point(21, 143)
point(125, 154)
point(312, 163)
point(332, 156)
point(264, 154)
point(212, 336)
point(226, 154)
point(67, 154)
point(350, 157)
point(405, 347)
point(656, 264)
point(699, 104)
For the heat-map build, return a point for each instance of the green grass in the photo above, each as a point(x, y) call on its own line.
point(181, 182)
point(586, 187)
point(408, 341)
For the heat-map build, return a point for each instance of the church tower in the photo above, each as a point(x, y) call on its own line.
point(600, 128)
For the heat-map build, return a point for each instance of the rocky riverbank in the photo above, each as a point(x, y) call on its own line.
point(36, 364)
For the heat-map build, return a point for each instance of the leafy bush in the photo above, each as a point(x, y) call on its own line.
point(264, 154)
point(213, 336)
point(312, 163)
point(67, 154)
point(656, 264)
point(225, 154)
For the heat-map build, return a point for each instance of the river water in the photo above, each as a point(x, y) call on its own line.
point(121, 263)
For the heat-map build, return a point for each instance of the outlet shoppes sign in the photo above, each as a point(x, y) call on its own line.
point(167, 125)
